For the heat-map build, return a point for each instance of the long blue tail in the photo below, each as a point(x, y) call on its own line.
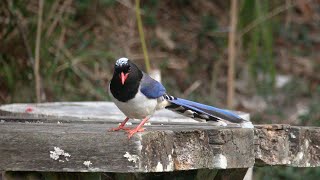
point(199, 111)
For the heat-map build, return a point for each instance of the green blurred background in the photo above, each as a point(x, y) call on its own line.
point(276, 63)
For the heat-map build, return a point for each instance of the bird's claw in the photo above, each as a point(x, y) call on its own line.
point(119, 128)
point(131, 132)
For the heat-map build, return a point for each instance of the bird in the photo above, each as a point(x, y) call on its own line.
point(138, 96)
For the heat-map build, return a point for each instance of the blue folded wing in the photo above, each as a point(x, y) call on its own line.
point(151, 88)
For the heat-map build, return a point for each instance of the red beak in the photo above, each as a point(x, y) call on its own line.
point(123, 77)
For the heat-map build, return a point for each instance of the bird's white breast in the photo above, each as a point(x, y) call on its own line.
point(139, 107)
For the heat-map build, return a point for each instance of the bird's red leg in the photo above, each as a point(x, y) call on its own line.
point(121, 126)
point(139, 128)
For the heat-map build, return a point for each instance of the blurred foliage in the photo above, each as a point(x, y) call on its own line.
point(68, 55)
point(259, 44)
point(312, 114)
point(281, 173)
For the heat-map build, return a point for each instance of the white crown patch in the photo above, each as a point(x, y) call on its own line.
point(122, 61)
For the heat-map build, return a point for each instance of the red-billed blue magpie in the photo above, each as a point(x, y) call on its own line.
point(138, 96)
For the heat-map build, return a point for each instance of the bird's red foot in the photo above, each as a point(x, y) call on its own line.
point(119, 128)
point(131, 132)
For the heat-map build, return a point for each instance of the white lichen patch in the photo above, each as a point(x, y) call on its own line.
point(247, 124)
point(59, 154)
point(170, 165)
point(285, 161)
point(299, 156)
point(306, 143)
point(292, 136)
point(159, 167)
point(220, 161)
point(131, 158)
point(307, 164)
point(87, 163)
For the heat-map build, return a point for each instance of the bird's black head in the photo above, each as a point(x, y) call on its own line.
point(126, 79)
point(125, 71)
point(122, 68)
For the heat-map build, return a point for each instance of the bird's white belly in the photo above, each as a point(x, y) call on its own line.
point(139, 107)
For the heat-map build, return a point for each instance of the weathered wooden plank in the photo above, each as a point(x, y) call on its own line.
point(26, 147)
point(287, 145)
point(81, 111)
point(180, 144)
point(86, 112)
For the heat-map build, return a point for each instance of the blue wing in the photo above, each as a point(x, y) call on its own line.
point(203, 111)
point(151, 88)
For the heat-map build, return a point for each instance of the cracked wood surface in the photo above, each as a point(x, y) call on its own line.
point(172, 142)
point(287, 145)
